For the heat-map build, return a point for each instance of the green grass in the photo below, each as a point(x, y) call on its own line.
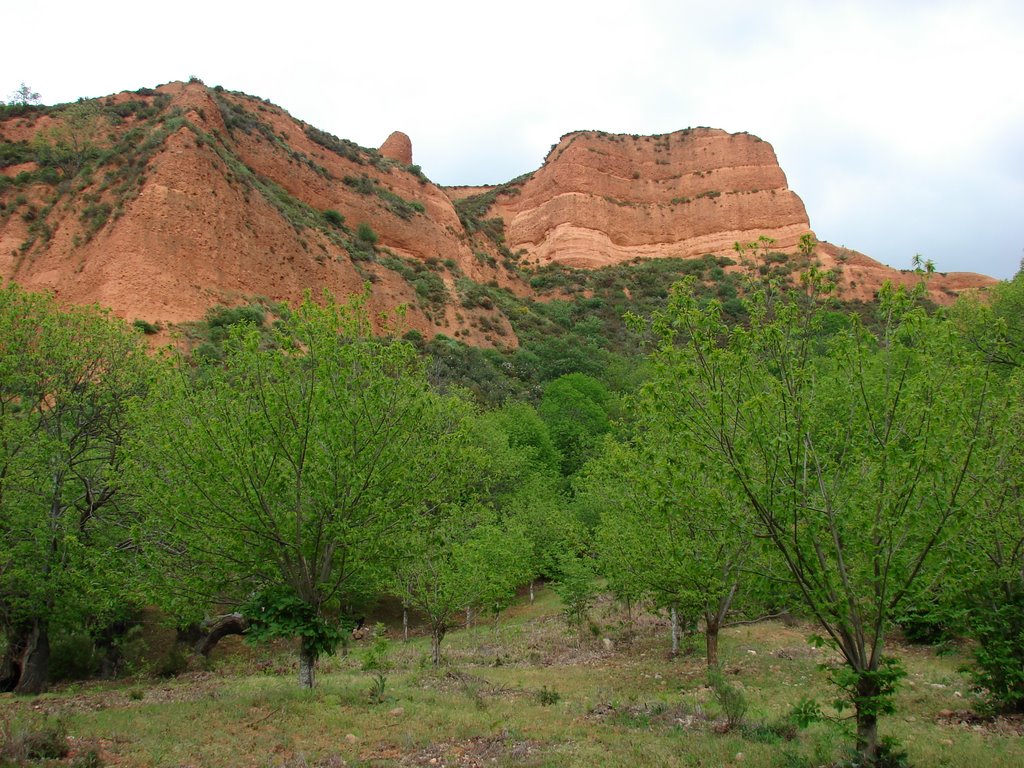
point(524, 696)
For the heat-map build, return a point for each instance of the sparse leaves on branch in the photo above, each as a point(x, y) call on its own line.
point(23, 96)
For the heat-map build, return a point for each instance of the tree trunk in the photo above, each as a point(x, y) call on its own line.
point(711, 642)
point(713, 623)
point(232, 624)
point(469, 618)
point(867, 721)
point(436, 636)
point(10, 665)
point(531, 591)
point(405, 623)
point(307, 664)
point(675, 630)
point(35, 661)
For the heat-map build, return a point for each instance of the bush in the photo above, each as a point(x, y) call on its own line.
point(375, 658)
point(416, 171)
point(90, 758)
point(73, 657)
point(924, 625)
point(414, 337)
point(365, 234)
point(805, 712)
point(172, 663)
point(1000, 654)
point(208, 351)
point(334, 218)
point(94, 216)
point(146, 327)
point(225, 317)
point(729, 697)
point(364, 185)
point(548, 696)
point(341, 147)
point(377, 687)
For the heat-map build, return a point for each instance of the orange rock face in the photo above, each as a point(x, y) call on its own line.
point(397, 147)
point(207, 227)
point(604, 199)
point(861, 276)
point(230, 204)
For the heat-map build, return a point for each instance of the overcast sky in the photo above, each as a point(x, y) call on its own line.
point(899, 123)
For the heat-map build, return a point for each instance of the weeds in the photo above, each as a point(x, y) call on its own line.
point(729, 697)
point(377, 687)
point(376, 659)
point(548, 696)
point(32, 739)
point(90, 758)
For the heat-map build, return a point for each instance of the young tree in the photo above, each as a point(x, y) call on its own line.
point(462, 551)
point(577, 590)
point(851, 452)
point(24, 96)
point(463, 559)
point(286, 474)
point(670, 527)
point(66, 379)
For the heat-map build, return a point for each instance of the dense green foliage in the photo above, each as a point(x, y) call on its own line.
point(984, 598)
point(66, 381)
point(852, 451)
point(669, 525)
point(291, 465)
point(467, 550)
point(299, 469)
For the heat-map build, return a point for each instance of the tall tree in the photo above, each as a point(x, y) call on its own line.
point(531, 493)
point(66, 379)
point(284, 475)
point(851, 452)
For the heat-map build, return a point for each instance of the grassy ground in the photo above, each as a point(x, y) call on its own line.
point(528, 695)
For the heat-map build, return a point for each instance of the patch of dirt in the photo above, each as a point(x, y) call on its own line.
point(475, 686)
point(1003, 725)
point(475, 752)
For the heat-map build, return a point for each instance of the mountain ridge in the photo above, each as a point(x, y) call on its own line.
point(188, 197)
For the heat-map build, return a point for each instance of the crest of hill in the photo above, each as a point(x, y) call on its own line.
point(185, 197)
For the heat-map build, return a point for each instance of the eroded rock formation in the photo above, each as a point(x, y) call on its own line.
point(397, 147)
point(214, 197)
